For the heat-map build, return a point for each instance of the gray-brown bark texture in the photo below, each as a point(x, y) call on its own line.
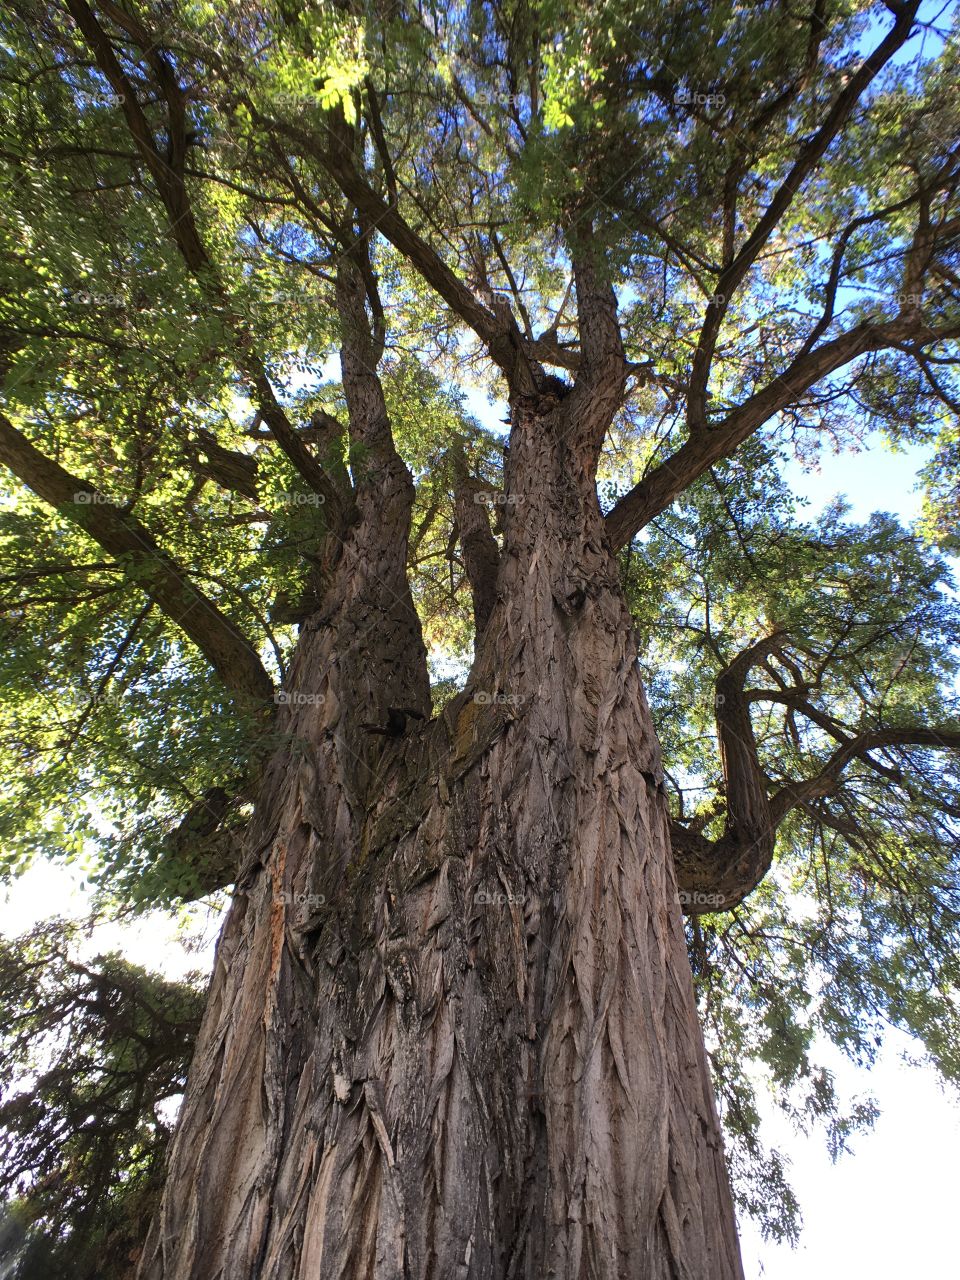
point(451, 1029)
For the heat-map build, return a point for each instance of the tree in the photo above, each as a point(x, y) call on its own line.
point(452, 1027)
point(103, 1045)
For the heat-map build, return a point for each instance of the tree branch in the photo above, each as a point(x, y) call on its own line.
point(496, 328)
point(811, 152)
point(168, 173)
point(165, 169)
point(598, 389)
point(656, 491)
point(229, 468)
point(943, 737)
point(230, 654)
point(481, 555)
point(716, 875)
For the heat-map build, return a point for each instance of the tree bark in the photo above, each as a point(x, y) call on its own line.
point(451, 1029)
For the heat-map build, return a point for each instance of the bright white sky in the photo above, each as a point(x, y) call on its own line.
point(885, 1211)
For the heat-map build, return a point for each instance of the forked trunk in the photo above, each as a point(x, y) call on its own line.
point(451, 1029)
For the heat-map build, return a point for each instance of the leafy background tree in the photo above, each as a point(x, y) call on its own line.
point(180, 185)
point(92, 1053)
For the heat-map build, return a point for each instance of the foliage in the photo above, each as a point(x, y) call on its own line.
point(94, 1053)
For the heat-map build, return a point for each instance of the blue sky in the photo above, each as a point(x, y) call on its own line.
point(875, 479)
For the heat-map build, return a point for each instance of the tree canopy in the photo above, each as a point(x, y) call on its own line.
point(759, 202)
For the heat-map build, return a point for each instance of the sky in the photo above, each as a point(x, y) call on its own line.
point(885, 1210)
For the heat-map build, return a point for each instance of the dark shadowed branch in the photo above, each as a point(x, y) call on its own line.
point(230, 654)
point(718, 874)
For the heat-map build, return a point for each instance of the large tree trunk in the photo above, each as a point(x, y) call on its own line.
point(451, 1029)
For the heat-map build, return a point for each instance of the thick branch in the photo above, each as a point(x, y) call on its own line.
point(395, 671)
point(229, 468)
point(944, 737)
point(717, 874)
point(656, 491)
point(598, 390)
point(229, 653)
point(388, 220)
point(292, 444)
point(207, 843)
point(497, 329)
point(811, 152)
point(168, 172)
point(369, 421)
point(165, 169)
point(481, 555)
